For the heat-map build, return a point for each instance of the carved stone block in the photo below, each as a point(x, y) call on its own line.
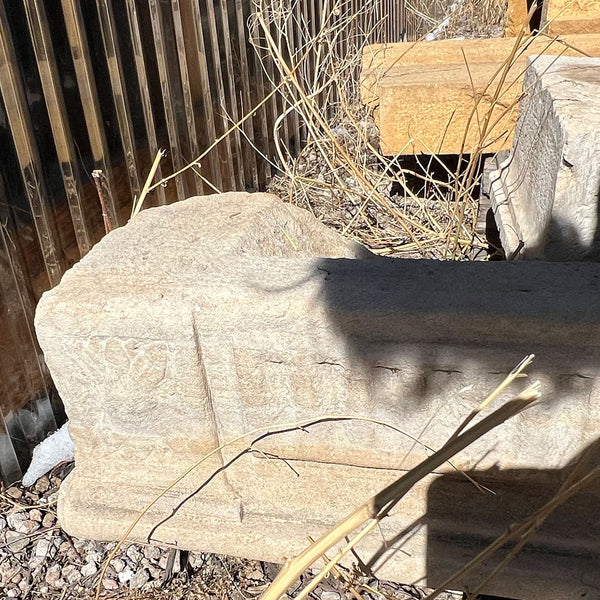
point(221, 315)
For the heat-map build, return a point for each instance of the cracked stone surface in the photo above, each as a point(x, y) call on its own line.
point(221, 315)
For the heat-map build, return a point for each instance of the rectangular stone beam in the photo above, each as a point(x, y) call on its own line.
point(210, 318)
point(516, 18)
point(571, 16)
point(453, 96)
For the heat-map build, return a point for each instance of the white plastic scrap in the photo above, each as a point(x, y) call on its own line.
point(56, 448)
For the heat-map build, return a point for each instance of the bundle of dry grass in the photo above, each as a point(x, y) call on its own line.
point(340, 174)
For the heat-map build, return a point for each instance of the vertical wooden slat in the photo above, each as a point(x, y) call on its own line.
point(27, 152)
point(59, 122)
point(144, 86)
point(191, 8)
point(234, 113)
point(259, 91)
point(119, 92)
point(185, 86)
point(248, 126)
point(291, 37)
point(270, 72)
point(216, 59)
point(168, 94)
point(89, 101)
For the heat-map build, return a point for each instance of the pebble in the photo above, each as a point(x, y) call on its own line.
point(16, 542)
point(14, 493)
point(42, 484)
point(35, 515)
point(71, 573)
point(52, 575)
point(139, 579)
point(152, 552)
point(117, 564)
point(45, 548)
point(125, 575)
point(89, 569)
point(109, 584)
point(330, 596)
point(134, 554)
point(49, 520)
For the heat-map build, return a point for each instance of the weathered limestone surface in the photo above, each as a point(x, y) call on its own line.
point(216, 316)
point(426, 93)
point(545, 195)
point(571, 16)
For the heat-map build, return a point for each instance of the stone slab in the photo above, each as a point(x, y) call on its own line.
point(203, 320)
point(571, 16)
point(545, 195)
point(425, 94)
point(516, 18)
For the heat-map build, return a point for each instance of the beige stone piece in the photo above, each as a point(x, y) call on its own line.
point(545, 195)
point(435, 97)
point(571, 16)
point(226, 314)
point(516, 18)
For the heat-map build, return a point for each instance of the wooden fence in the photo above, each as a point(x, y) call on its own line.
point(102, 85)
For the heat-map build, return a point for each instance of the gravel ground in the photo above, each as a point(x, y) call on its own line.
point(39, 560)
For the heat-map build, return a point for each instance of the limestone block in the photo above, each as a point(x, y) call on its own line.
point(545, 195)
point(427, 95)
point(571, 16)
point(203, 320)
point(516, 18)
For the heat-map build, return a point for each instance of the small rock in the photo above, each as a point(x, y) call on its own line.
point(25, 586)
point(155, 572)
point(42, 484)
point(117, 564)
point(139, 579)
point(125, 575)
point(65, 547)
point(94, 556)
point(20, 522)
point(71, 573)
point(2, 523)
point(13, 593)
point(16, 542)
point(14, 492)
point(133, 553)
point(152, 552)
point(45, 548)
point(52, 575)
point(256, 575)
point(35, 515)
point(49, 520)
point(330, 596)
point(35, 563)
point(109, 584)
point(89, 569)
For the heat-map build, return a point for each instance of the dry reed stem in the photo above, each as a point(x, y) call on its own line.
point(380, 505)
